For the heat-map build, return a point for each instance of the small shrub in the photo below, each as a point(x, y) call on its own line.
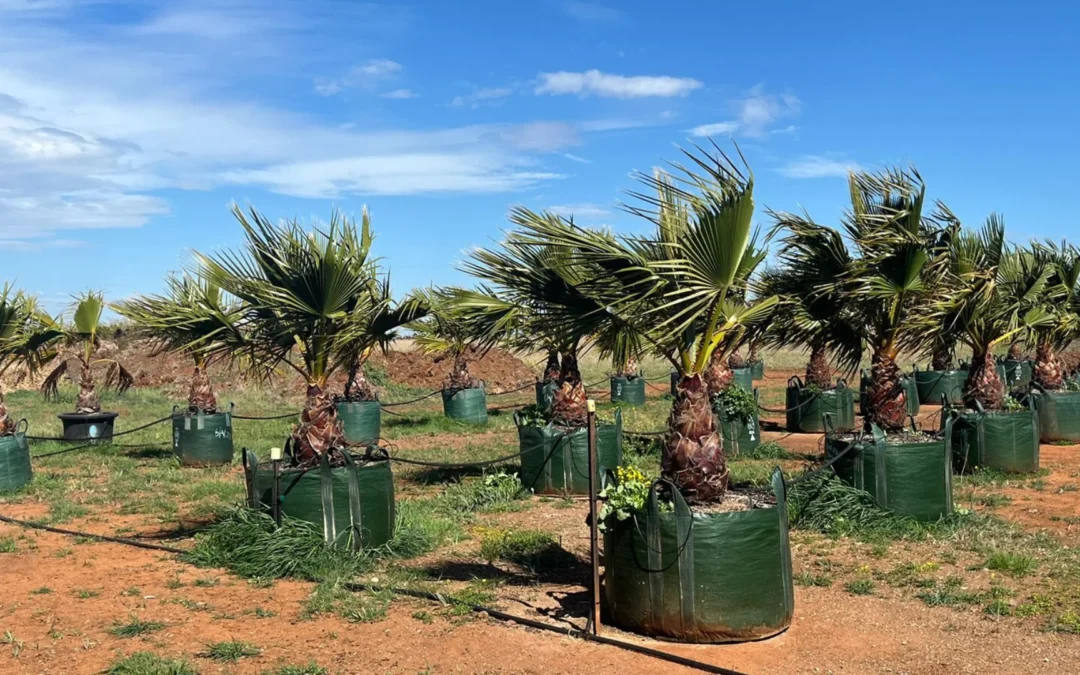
point(1013, 564)
point(7, 545)
point(44, 590)
point(999, 608)
point(85, 593)
point(860, 587)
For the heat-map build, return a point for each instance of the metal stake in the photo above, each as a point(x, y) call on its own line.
point(275, 508)
point(594, 524)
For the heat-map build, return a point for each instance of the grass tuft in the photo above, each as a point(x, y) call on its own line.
point(135, 627)
point(147, 663)
point(529, 548)
point(233, 650)
point(1013, 564)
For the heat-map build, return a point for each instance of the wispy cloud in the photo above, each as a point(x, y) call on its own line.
point(596, 83)
point(755, 115)
point(591, 12)
point(482, 96)
point(365, 76)
point(817, 166)
point(400, 94)
point(580, 211)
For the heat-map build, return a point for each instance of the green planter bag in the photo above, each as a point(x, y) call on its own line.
point(744, 378)
point(362, 421)
point(1017, 374)
point(1059, 415)
point(909, 479)
point(465, 405)
point(757, 370)
point(806, 408)
point(1006, 441)
point(353, 505)
point(911, 393)
point(554, 461)
point(739, 435)
point(545, 394)
point(701, 577)
point(931, 385)
point(15, 470)
point(629, 390)
point(202, 440)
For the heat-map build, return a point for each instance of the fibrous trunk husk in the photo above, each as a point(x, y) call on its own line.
point(201, 394)
point(357, 387)
point(7, 425)
point(818, 373)
point(736, 360)
point(886, 400)
point(460, 378)
point(693, 456)
point(88, 401)
point(984, 384)
point(1047, 371)
point(319, 430)
point(942, 358)
point(570, 404)
point(754, 356)
point(718, 375)
point(551, 368)
point(630, 368)
point(1015, 353)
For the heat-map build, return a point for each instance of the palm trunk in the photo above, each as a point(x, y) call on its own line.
point(754, 356)
point(736, 360)
point(357, 387)
point(319, 430)
point(1015, 353)
point(886, 401)
point(551, 368)
point(570, 404)
point(693, 455)
point(88, 400)
point(201, 394)
point(630, 368)
point(460, 378)
point(942, 358)
point(718, 375)
point(1047, 371)
point(818, 373)
point(7, 425)
point(984, 384)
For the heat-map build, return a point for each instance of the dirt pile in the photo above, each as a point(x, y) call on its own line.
point(499, 370)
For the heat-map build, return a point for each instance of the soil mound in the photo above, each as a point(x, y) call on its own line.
point(500, 370)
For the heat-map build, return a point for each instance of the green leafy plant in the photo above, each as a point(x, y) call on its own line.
point(735, 403)
point(624, 497)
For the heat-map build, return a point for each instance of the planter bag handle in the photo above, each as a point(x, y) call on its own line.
point(251, 468)
point(780, 490)
point(948, 461)
point(795, 381)
point(826, 421)
point(25, 427)
point(841, 383)
point(355, 516)
point(326, 486)
point(684, 556)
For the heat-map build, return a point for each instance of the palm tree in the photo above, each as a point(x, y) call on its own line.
point(813, 313)
point(895, 247)
point(536, 292)
point(448, 333)
point(195, 318)
point(312, 302)
point(26, 337)
point(80, 344)
point(679, 289)
point(1059, 297)
point(984, 309)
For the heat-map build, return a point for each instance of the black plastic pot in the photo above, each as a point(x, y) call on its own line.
point(910, 479)
point(202, 440)
point(556, 461)
point(701, 577)
point(1006, 441)
point(91, 427)
point(353, 505)
point(806, 408)
point(628, 390)
point(15, 470)
point(362, 421)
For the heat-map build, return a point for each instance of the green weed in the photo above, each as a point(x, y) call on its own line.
point(136, 627)
point(233, 650)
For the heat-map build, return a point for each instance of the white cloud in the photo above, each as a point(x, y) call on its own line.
point(580, 211)
point(817, 166)
point(715, 129)
point(755, 115)
point(594, 82)
point(365, 76)
point(541, 136)
point(576, 158)
point(400, 94)
point(591, 12)
point(481, 96)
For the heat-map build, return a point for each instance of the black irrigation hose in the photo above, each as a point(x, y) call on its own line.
point(540, 625)
point(415, 400)
point(65, 450)
point(114, 435)
point(514, 391)
point(100, 537)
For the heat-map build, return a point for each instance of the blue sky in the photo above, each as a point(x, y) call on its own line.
point(126, 128)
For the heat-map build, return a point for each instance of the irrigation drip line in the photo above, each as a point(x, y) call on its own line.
point(114, 435)
point(100, 537)
point(514, 391)
point(415, 400)
point(65, 450)
point(540, 625)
